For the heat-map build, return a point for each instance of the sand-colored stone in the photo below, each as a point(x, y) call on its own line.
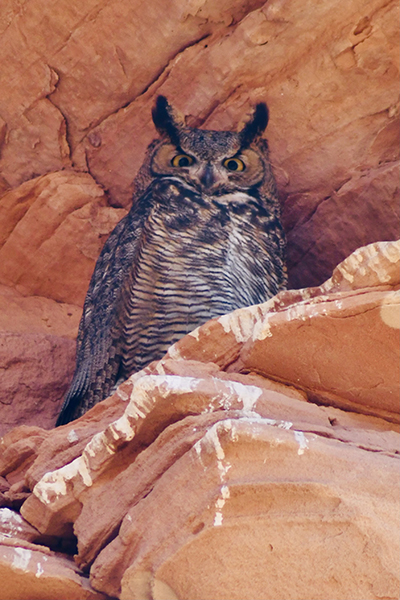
point(329, 76)
point(236, 527)
point(18, 449)
point(35, 314)
point(81, 491)
point(53, 228)
point(369, 266)
point(228, 432)
point(37, 357)
point(36, 371)
point(344, 345)
point(228, 469)
point(13, 525)
point(34, 573)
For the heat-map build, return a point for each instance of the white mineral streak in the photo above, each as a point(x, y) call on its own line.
point(262, 329)
point(241, 322)
point(21, 558)
point(248, 394)
point(372, 258)
point(257, 420)
point(54, 483)
point(346, 275)
point(97, 444)
point(298, 312)
point(146, 391)
point(195, 333)
point(211, 439)
point(11, 518)
point(84, 471)
point(72, 436)
point(302, 441)
point(223, 468)
point(374, 252)
point(390, 310)
point(305, 293)
point(284, 424)
point(12, 521)
point(123, 395)
point(174, 353)
point(160, 368)
point(218, 518)
point(391, 251)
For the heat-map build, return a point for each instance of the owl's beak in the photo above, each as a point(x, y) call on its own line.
point(206, 177)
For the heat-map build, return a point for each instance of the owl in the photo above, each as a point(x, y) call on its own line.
point(203, 238)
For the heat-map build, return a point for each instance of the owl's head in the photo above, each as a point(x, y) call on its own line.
point(214, 162)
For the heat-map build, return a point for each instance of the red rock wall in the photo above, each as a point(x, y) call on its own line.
point(78, 81)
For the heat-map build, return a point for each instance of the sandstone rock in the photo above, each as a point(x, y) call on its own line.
point(321, 242)
point(229, 408)
point(52, 232)
point(35, 314)
point(37, 369)
point(34, 573)
point(236, 528)
point(96, 53)
point(36, 358)
point(18, 449)
point(228, 469)
point(332, 94)
point(347, 342)
point(12, 525)
point(81, 491)
point(370, 266)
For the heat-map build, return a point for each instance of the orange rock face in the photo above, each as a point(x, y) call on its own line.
point(329, 77)
point(259, 457)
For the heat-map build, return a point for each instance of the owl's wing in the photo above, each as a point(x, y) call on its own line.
point(97, 361)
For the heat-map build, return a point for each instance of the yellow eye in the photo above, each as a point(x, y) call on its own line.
point(182, 160)
point(234, 164)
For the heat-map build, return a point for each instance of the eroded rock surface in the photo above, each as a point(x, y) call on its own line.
point(207, 474)
point(330, 77)
point(52, 230)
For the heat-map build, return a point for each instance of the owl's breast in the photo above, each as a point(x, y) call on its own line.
point(198, 260)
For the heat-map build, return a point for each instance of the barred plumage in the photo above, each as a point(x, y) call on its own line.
point(202, 238)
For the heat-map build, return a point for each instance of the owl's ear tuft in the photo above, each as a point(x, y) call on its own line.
point(164, 120)
point(255, 126)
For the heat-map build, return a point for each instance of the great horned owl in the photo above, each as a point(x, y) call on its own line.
point(203, 238)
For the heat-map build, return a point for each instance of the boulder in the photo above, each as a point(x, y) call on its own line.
point(37, 369)
point(257, 510)
point(53, 228)
point(31, 572)
point(36, 314)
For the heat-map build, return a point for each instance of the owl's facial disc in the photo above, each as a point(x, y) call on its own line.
point(219, 174)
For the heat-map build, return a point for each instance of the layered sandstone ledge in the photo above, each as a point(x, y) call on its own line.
point(257, 459)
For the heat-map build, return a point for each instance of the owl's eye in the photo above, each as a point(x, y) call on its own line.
point(234, 164)
point(182, 160)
